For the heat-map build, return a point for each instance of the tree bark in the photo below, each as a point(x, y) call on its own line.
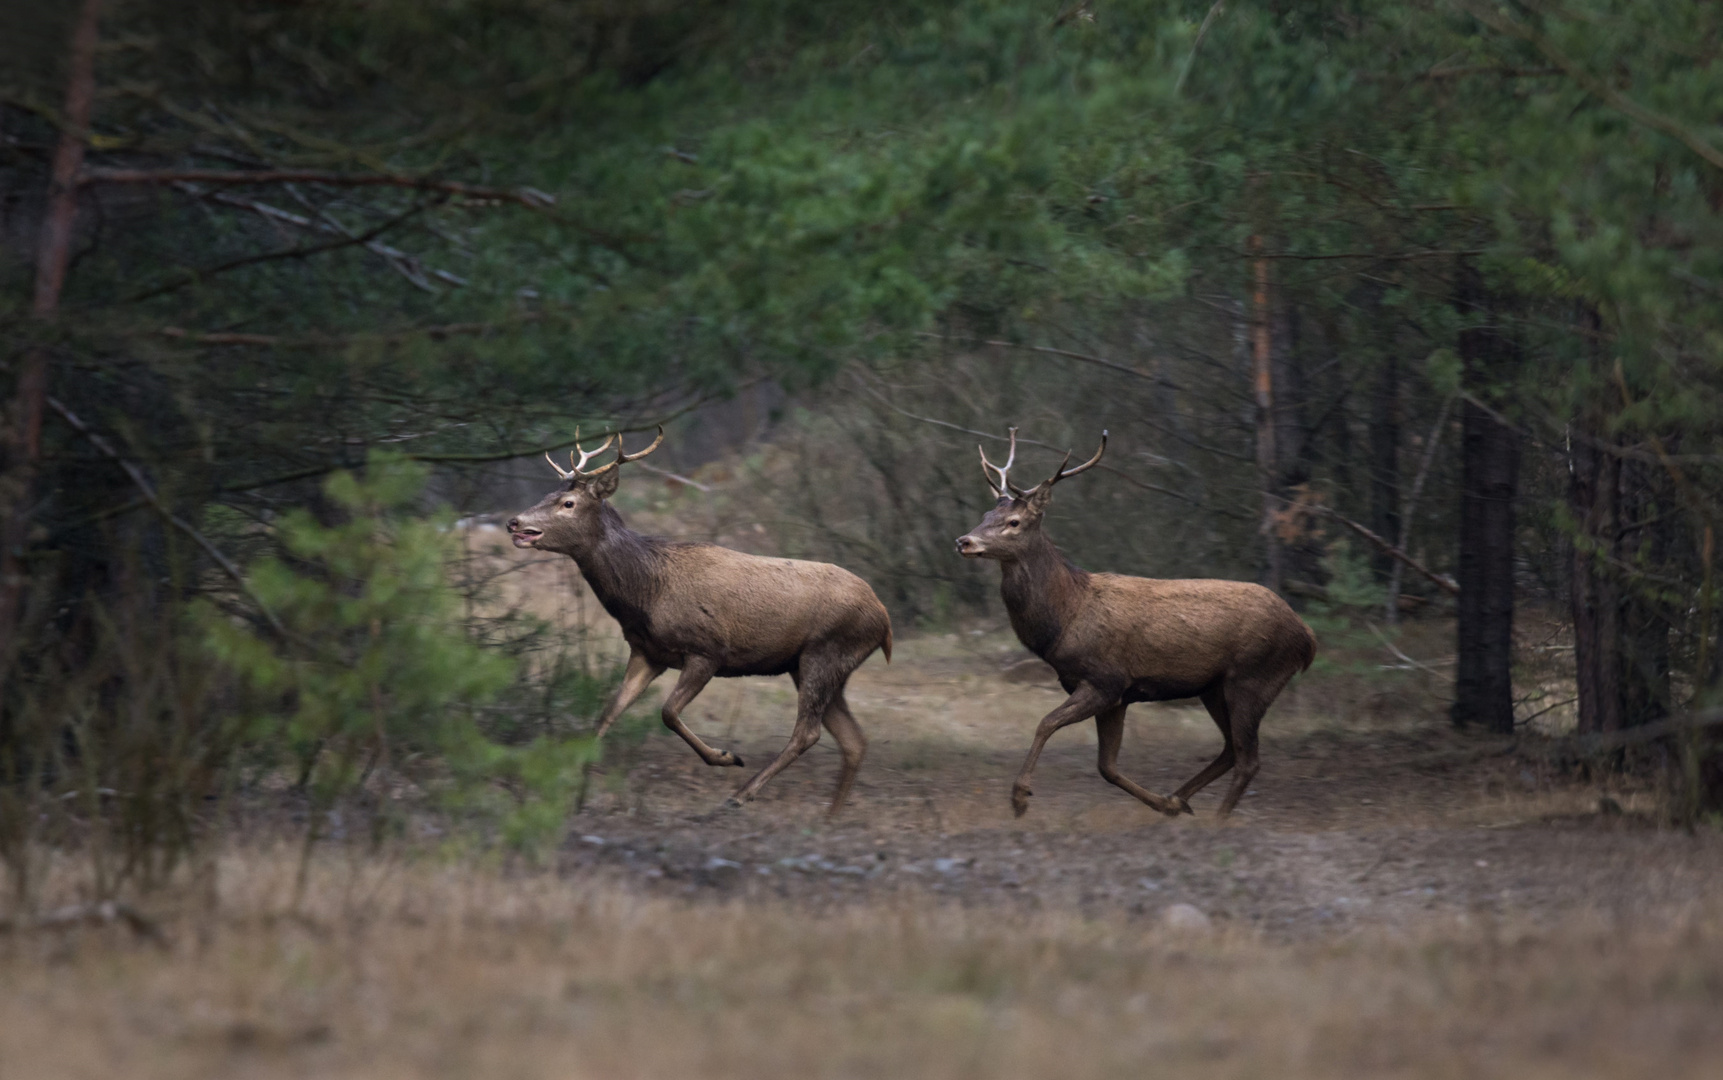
point(1490, 452)
point(23, 443)
point(1385, 459)
point(1643, 540)
point(1262, 383)
point(1593, 480)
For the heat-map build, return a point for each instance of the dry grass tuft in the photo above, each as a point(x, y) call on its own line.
point(408, 968)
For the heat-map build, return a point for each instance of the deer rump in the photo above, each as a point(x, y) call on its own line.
point(749, 614)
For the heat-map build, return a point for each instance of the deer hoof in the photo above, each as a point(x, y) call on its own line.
point(732, 803)
point(1020, 800)
point(1176, 806)
point(727, 758)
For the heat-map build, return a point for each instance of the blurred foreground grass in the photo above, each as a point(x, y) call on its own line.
point(414, 969)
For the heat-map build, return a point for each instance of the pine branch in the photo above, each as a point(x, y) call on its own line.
point(1595, 86)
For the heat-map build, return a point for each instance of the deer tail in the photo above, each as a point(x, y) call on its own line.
point(885, 646)
point(1309, 645)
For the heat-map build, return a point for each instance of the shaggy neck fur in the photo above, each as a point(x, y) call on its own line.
point(1042, 591)
point(622, 566)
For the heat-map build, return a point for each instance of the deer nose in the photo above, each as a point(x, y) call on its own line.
point(964, 543)
point(514, 524)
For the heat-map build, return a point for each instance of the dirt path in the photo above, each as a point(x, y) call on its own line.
point(1346, 826)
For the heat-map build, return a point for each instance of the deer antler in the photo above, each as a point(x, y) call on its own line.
point(638, 454)
point(577, 470)
point(988, 469)
point(1062, 472)
point(622, 457)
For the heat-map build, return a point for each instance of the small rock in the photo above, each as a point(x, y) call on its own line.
point(1186, 919)
point(715, 863)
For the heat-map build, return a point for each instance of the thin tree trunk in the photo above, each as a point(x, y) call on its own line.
point(1409, 511)
point(1483, 683)
point(1596, 606)
point(1385, 459)
point(1643, 540)
point(1262, 382)
point(53, 253)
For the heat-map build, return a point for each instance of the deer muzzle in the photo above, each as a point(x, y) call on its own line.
point(969, 547)
point(524, 536)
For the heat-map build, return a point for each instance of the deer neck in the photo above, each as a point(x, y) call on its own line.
point(621, 566)
point(1042, 592)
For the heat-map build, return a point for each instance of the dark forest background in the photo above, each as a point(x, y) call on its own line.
point(1409, 310)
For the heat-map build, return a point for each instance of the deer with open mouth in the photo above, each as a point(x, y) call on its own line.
point(711, 612)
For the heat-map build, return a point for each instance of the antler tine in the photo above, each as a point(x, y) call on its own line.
point(560, 471)
point(587, 455)
point(638, 454)
point(1061, 472)
point(988, 469)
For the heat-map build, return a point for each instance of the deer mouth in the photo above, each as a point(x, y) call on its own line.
point(525, 538)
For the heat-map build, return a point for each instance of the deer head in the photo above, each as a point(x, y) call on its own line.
point(1015, 520)
point(562, 520)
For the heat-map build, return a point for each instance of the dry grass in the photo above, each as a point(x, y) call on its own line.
point(412, 969)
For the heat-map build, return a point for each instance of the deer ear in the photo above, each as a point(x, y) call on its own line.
point(603, 486)
point(1038, 497)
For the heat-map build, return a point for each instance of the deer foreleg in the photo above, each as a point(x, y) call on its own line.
point(696, 673)
point(1110, 727)
point(635, 680)
point(1083, 703)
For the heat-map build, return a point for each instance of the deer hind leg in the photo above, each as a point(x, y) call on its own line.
point(1246, 705)
point(816, 692)
point(851, 741)
point(1110, 727)
point(1214, 699)
point(1085, 701)
point(696, 673)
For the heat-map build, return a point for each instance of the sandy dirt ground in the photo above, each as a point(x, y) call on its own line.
point(1347, 826)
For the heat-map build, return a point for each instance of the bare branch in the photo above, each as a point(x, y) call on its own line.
point(149, 493)
point(531, 198)
point(444, 330)
point(1068, 354)
point(1443, 582)
point(187, 277)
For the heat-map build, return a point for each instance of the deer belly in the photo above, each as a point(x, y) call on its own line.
point(1162, 690)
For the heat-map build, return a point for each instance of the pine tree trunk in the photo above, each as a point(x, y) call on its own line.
point(1596, 605)
point(1385, 461)
point(1262, 380)
point(1490, 452)
point(23, 419)
point(1643, 541)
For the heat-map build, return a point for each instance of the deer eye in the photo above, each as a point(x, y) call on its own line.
point(1014, 522)
point(569, 503)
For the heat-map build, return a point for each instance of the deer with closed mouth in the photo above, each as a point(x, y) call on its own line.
point(711, 612)
point(1114, 640)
